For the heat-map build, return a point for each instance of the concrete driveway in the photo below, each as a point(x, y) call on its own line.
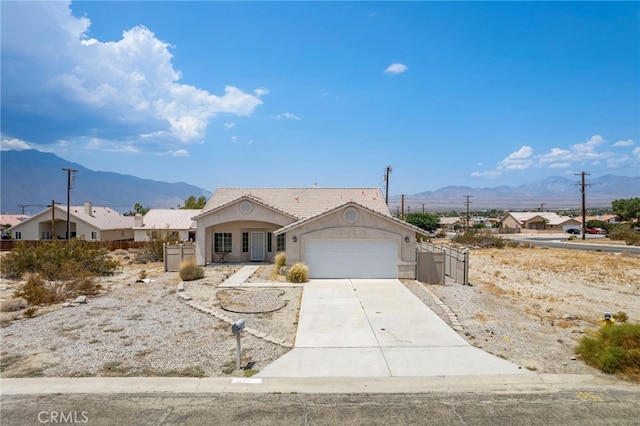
point(377, 328)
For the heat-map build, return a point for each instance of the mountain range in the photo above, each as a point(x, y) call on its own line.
point(551, 193)
point(31, 179)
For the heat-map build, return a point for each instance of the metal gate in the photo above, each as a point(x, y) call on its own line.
point(454, 263)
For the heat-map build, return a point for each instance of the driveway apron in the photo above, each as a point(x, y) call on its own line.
point(377, 328)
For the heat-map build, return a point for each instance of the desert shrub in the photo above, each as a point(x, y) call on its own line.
point(12, 305)
point(298, 273)
point(58, 260)
point(625, 232)
point(30, 312)
point(614, 349)
point(479, 238)
point(37, 290)
point(280, 260)
point(189, 271)
point(153, 250)
point(621, 316)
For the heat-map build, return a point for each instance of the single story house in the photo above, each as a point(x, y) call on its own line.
point(156, 223)
point(542, 221)
point(451, 223)
point(86, 222)
point(9, 220)
point(609, 218)
point(336, 232)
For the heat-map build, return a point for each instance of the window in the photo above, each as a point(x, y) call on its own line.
point(46, 235)
point(280, 242)
point(94, 235)
point(17, 235)
point(245, 242)
point(269, 242)
point(222, 242)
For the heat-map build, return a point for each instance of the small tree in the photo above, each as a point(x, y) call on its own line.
point(427, 221)
point(193, 203)
point(626, 209)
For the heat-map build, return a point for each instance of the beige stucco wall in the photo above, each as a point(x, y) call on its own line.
point(232, 219)
point(145, 234)
point(368, 226)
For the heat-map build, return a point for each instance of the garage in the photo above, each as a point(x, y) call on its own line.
point(351, 258)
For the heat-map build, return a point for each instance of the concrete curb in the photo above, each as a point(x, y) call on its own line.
point(453, 318)
point(224, 316)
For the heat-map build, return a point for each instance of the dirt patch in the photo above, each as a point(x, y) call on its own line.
point(251, 301)
point(531, 306)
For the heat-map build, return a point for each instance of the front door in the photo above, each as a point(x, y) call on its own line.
point(257, 246)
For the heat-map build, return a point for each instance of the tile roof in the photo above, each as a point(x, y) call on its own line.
point(550, 217)
point(303, 203)
point(12, 219)
point(349, 203)
point(169, 219)
point(102, 218)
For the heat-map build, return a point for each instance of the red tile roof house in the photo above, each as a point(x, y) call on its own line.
point(337, 232)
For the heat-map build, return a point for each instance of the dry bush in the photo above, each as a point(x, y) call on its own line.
point(189, 271)
point(12, 305)
point(298, 273)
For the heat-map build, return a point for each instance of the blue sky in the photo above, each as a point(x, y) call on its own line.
point(259, 94)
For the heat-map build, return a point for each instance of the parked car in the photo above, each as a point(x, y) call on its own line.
point(573, 231)
point(596, 231)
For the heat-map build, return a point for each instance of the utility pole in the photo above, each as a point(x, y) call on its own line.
point(584, 205)
point(402, 208)
point(541, 207)
point(69, 173)
point(386, 185)
point(53, 217)
point(467, 202)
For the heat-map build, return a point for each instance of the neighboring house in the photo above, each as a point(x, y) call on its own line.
point(158, 223)
point(451, 223)
point(87, 222)
point(337, 232)
point(10, 220)
point(609, 218)
point(546, 221)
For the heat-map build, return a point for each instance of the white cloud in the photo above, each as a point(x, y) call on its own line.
point(13, 144)
point(559, 165)
point(396, 68)
point(123, 90)
point(636, 153)
point(628, 142)
point(234, 139)
point(288, 116)
point(229, 125)
point(519, 160)
point(261, 91)
point(492, 174)
point(181, 153)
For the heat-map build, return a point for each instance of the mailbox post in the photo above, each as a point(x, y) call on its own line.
point(236, 328)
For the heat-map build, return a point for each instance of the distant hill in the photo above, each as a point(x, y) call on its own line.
point(32, 179)
point(554, 192)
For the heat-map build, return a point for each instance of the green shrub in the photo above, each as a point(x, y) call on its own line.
point(614, 349)
point(298, 273)
point(58, 260)
point(483, 239)
point(190, 271)
point(625, 232)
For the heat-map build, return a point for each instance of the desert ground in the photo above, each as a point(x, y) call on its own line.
point(527, 305)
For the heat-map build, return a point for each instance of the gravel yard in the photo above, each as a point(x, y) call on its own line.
point(529, 306)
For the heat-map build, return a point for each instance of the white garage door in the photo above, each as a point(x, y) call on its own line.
point(351, 258)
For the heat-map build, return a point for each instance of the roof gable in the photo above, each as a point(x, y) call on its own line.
point(347, 204)
point(301, 203)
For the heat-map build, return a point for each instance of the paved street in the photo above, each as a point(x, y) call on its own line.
point(569, 407)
